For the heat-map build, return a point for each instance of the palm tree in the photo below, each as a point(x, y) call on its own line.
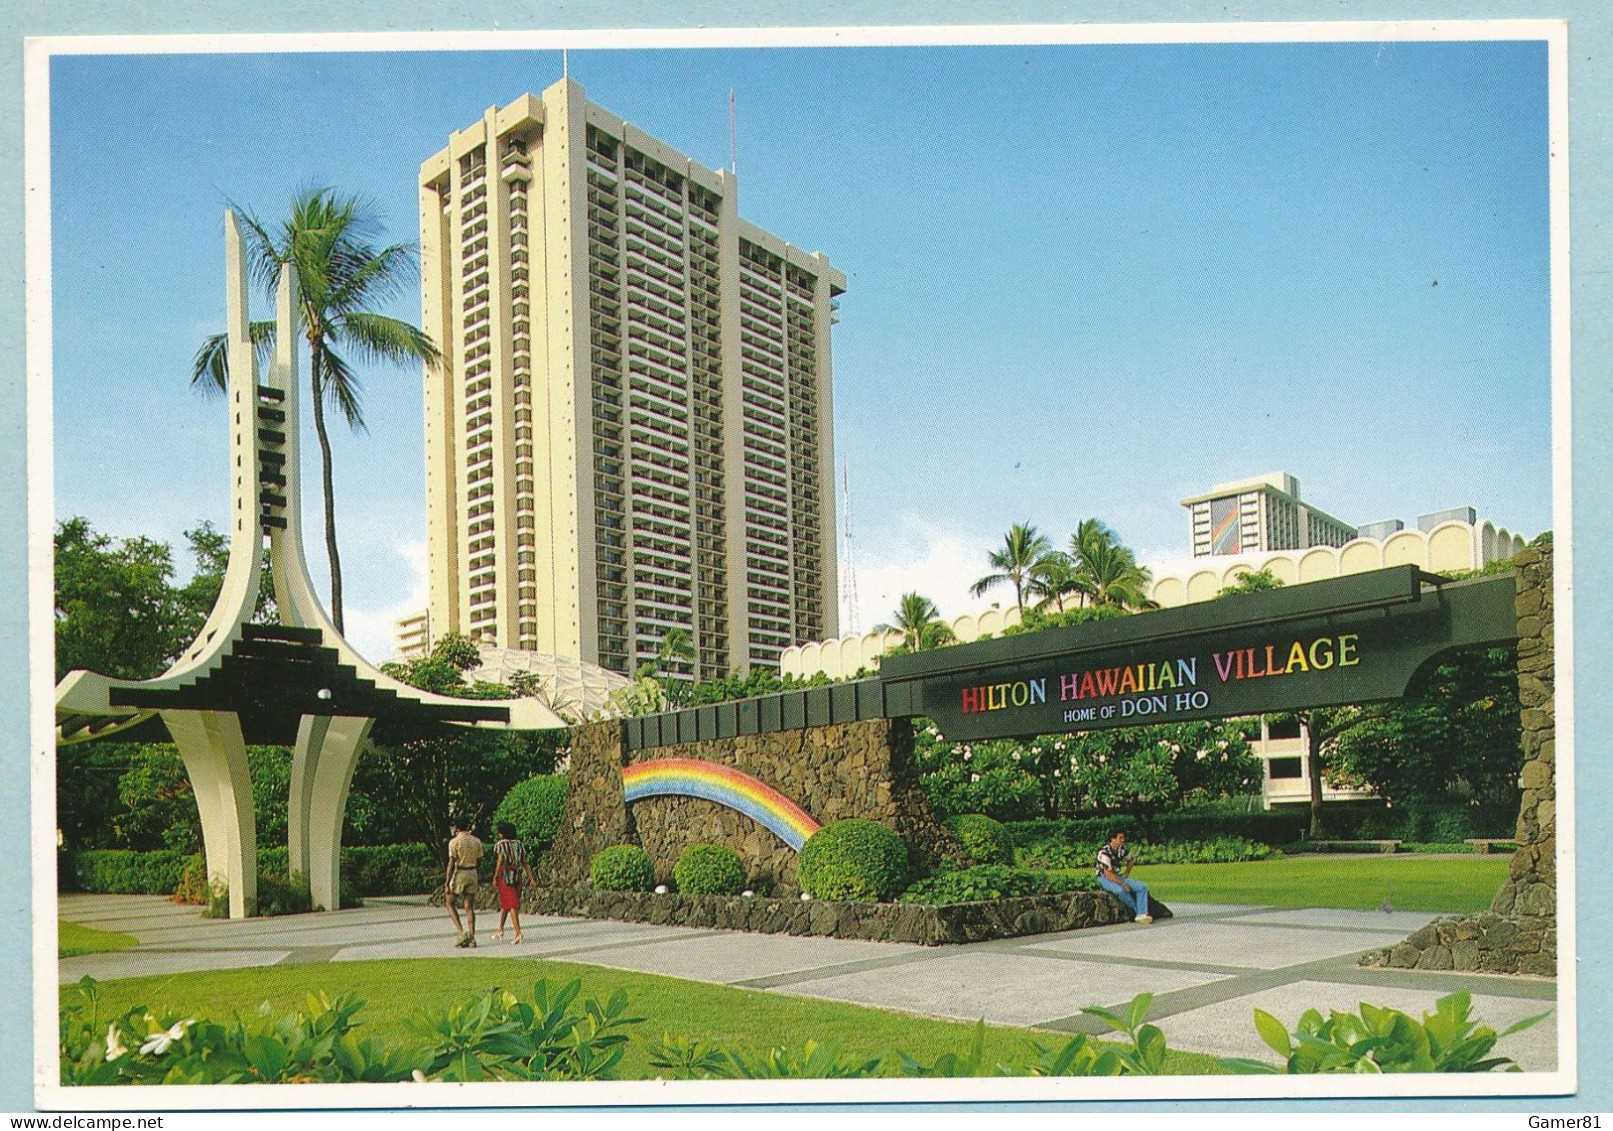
point(344, 273)
point(1109, 572)
point(918, 620)
point(1016, 563)
point(1057, 577)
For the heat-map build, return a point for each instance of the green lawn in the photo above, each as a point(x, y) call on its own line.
point(1409, 882)
point(73, 939)
point(740, 1019)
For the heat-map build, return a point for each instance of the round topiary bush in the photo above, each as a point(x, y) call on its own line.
point(622, 867)
point(853, 859)
point(533, 807)
point(984, 840)
point(710, 869)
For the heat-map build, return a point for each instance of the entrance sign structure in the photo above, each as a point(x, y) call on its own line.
point(1355, 639)
point(298, 683)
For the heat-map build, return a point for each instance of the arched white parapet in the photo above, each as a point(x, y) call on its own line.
point(1359, 556)
point(810, 656)
point(1169, 592)
point(1406, 547)
point(1283, 569)
point(1486, 543)
point(966, 628)
point(1318, 564)
point(1203, 585)
point(991, 623)
point(1450, 548)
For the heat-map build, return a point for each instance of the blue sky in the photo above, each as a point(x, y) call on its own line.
point(1082, 280)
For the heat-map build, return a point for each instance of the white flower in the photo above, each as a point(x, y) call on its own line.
point(418, 1076)
point(660, 889)
point(1016, 755)
point(974, 777)
point(966, 755)
point(747, 893)
point(114, 1043)
point(1055, 773)
point(158, 1042)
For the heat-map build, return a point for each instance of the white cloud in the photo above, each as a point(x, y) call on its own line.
point(369, 627)
point(924, 558)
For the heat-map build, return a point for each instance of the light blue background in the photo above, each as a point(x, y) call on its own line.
point(1590, 41)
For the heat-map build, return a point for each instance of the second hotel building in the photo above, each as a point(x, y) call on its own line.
point(631, 428)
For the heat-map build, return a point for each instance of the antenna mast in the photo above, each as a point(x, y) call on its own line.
point(733, 137)
point(848, 568)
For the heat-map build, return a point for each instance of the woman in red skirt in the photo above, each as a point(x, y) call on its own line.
point(510, 867)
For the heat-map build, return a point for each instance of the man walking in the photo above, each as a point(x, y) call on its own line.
point(462, 881)
point(1114, 875)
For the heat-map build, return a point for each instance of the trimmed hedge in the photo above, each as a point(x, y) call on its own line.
point(709, 869)
point(622, 867)
point(1273, 828)
point(1222, 850)
point(533, 806)
point(121, 871)
point(992, 881)
point(855, 860)
point(387, 869)
point(984, 839)
point(391, 869)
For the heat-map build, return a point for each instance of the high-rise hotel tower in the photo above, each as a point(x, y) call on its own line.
point(631, 428)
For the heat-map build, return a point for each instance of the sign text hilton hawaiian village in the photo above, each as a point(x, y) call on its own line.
point(1161, 687)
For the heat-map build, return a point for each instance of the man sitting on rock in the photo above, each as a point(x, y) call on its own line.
point(1114, 875)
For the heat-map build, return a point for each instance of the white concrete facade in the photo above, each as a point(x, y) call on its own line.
point(631, 430)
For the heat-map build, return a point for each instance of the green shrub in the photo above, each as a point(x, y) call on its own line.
point(1222, 850)
point(117, 871)
point(534, 807)
point(283, 894)
point(1383, 1040)
point(622, 867)
point(984, 840)
point(1275, 828)
point(390, 869)
point(993, 881)
point(854, 859)
point(710, 869)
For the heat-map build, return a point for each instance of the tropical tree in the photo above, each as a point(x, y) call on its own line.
point(677, 646)
point(1252, 581)
point(345, 273)
point(1056, 579)
point(1016, 563)
point(919, 622)
point(1107, 570)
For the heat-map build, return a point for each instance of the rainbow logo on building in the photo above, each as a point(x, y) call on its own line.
point(690, 777)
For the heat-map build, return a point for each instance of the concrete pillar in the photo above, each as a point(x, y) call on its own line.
point(214, 752)
point(321, 774)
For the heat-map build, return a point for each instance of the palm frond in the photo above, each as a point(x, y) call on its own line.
point(380, 338)
point(341, 388)
point(209, 369)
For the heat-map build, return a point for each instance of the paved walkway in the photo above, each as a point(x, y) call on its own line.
point(1209, 968)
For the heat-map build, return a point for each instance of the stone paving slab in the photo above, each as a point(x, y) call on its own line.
point(1402, 922)
point(1006, 989)
point(1228, 1029)
point(1229, 944)
point(138, 964)
point(734, 956)
point(1218, 910)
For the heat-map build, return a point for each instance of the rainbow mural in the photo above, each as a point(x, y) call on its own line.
point(690, 777)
